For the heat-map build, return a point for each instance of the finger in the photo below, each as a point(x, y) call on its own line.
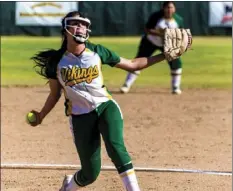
point(33, 111)
point(33, 124)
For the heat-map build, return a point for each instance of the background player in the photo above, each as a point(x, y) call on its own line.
point(152, 41)
point(76, 69)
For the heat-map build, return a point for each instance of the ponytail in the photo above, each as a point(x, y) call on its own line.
point(46, 61)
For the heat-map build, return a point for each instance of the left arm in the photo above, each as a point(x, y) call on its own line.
point(112, 59)
point(139, 63)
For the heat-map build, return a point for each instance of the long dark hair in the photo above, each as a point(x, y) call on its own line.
point(47, 60)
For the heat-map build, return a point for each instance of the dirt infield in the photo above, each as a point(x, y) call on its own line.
point(191, 131)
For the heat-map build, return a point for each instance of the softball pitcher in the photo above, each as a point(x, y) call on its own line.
point(76, 69)
point(152, 41)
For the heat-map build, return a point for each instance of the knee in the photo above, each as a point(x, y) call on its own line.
point(86, 178)
point(138, 72)
point(117, 153)
point(175, 64)
point(176, 72)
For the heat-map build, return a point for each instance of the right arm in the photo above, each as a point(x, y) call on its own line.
point(52, 99)
point(46, 65)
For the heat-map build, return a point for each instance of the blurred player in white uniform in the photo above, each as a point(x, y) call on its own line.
point(152, 41)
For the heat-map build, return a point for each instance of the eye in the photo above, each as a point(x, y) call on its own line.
point(76, 22)
point(73, 22)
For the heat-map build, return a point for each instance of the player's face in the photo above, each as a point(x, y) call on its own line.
point(169, 10)
point(77, 27)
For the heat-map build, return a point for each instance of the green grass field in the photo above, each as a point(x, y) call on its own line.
point(208, 65)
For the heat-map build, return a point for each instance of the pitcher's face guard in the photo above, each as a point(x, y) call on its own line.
point(78, 27)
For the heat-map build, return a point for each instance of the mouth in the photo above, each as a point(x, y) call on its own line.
point(79, 31)
point(79, 34)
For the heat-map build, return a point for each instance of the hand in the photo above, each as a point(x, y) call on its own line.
point(38, 118)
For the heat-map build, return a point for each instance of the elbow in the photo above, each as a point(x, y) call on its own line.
point(55, 96)
point(136, 68)
point(132, 66)
point(58, 96)
point(136, 65)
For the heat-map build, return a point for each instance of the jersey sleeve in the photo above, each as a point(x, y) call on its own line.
point(182, 23)
point(107, 56)
point(179, 20)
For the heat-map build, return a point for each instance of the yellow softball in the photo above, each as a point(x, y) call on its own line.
point(31, 117)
